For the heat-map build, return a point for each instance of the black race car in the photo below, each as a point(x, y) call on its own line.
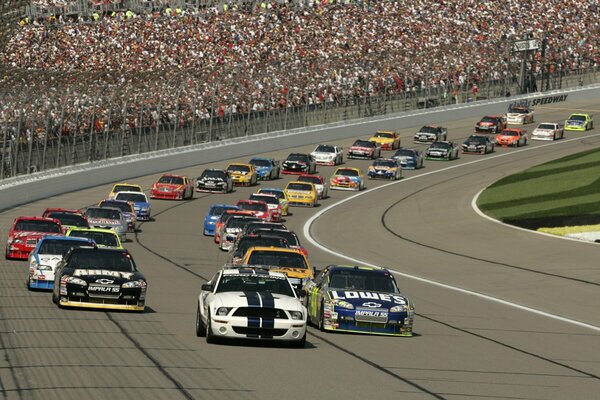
point(99, 278)
point(214, 180)
point(298, 163)
point(478, 144)
point(491, 124)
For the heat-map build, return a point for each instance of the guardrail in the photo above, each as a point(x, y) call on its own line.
point(24, 189)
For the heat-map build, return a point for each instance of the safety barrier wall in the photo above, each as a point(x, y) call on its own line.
point(23, 189)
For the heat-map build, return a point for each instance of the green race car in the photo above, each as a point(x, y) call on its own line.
point(579, 122)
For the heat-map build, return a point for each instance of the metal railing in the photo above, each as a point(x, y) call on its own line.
point(76, 130)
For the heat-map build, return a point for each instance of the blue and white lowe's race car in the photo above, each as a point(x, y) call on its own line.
point(359, 299)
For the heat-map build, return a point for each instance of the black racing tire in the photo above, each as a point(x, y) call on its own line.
point(210, 337)
point(321, 322)
point(200, 327)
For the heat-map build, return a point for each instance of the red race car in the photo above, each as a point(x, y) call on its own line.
point(512, 137)
point(491, 124)
point(260, 209)
point(172, 187)
point(69, 218)
point(26, 232)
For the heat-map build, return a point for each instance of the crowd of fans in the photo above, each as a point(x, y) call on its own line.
point(251, 56)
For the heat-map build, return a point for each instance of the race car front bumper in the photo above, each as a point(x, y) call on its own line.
point(103, 306)
point(257, 328)
point(156, 194)
point(345, 320)
point(41, 284)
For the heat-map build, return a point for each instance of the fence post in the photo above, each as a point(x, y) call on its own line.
point(3, 152)
point(15, 165)
point(91, 135)
point(43, 166)
point(139, 128)
point(76, 131)
point(60, 129)
point(107, 126)
point(212, 113)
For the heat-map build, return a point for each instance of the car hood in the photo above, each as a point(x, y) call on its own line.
point(103, 275)
point(31, 234)
point(368, 299)
point(169, 186)
point(244, 299)
point(211, 179)
point(343, 178)
point(103, 221)
point(575, 122)
point(50, 260)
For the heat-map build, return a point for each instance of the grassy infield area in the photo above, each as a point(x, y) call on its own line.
point(559, 197)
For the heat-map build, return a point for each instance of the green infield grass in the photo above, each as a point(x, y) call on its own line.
point(560, 193)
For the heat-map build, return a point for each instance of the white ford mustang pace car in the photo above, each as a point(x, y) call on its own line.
point(242, 302)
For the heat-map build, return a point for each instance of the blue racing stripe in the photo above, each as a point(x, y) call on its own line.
point(253, 301)
point(268, 302)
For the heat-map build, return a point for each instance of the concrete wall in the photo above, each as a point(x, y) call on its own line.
point(24, 189)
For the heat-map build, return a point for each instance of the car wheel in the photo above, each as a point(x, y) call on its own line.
point(200, 327)
point(210, 337)
point(321, 322)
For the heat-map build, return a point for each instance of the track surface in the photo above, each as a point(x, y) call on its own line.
point(465, 346)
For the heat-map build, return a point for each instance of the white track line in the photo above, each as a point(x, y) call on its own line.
point(308, 225)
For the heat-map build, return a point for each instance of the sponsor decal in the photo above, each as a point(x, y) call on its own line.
point(369, 313)
point(542, 100)
point(105, 281)
point(105, 272)
point(371, 304)
point(351, 294)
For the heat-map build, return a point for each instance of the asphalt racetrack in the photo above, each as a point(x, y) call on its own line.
point(501, 313)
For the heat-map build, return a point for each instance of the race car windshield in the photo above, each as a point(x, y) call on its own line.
point(277, 258)
point(214, 174)
point(260, 162)
point(518, 110)
point(103, 213)
point(126, 188)
point(255, 283)
point(239, 222)
point(264, 225)
point(300, 186)
point(577, 118)
point(70, 219)
point(546, 126)
point(37, 226)
point(290, 237)
point(362, 280)
point(238, 168)
point(385, 135)
point(363, 143)
point(107, 239)
point(428, 129)
point(324, 148)
point(384, 163)
point(253, 206)
point(266, 199)
point(439, 145)
point(246, 242)
point(488, 119)
point(510, 133)
point(346, 172)
point(311, 179)
point(278, 193)
point(171, 180)
point(405, 153)
point(476, 139)
point(298, 157)
point(58, 247)
point(125, 207)
point(102, 259)
point(135, 197)
point(218, 210)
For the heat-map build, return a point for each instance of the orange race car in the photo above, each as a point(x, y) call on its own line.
point(512, 137)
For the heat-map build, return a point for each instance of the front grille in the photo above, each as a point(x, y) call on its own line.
point(377, 316)
point(259, 312)
point(258, 332)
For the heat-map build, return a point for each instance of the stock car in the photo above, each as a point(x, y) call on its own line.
point(409, 158)
point(25, 233)
point(259, 209)
point(141, 205)
point(290, 237)
point(358, 299)
point(512, 137)
point(68, 218)
point(443, 150)
point(272, 202)
point(250, 303)
point(387, 140)
point(214, 180)
point(478, 144)
point(243, 174)
point(291, 262)
point(99, 278)
point(232, 230)
point(519, 114)
point(266, 168)
point(548, 131)
point(320, 184)
point(301, 194)
point(101, 237)
point(124, 187)
point(364, 149)
point(126, 209)
point(107, 218)
point(430, 134)
point(244, 242)
point(299, 163)
point(214, 212)
point(347, 178)
point(280, 194)
point(220, 224)
point(43, 260)
point(327, 154)
point(579, 122)
point(386, 168)
point(172, 187)
point(491, 124)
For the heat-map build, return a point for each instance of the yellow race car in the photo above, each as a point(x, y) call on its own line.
point(243, 174)
point(102, 237)
point(291, 262)
point(579, 122)
point(388, 140)
point(124, 187)
point(301, 194)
